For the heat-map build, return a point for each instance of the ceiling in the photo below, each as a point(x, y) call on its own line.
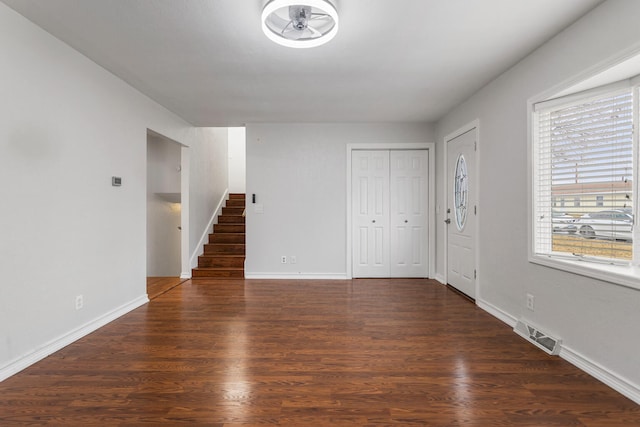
point(392, 61)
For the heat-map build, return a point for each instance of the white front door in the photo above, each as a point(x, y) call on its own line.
point(370, 209)
point(408, 213)
point(461, 212)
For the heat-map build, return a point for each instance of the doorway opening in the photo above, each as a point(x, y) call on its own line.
point(164, 214)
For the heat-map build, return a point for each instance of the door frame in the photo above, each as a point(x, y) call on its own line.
point(185, 153)
point(431, 226)
point(475, 124)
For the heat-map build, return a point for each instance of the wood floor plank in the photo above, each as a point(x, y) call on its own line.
point(157, 286)
point(238, 352)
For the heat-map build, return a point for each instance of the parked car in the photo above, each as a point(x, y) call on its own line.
point(563, 222)
point(616, 224)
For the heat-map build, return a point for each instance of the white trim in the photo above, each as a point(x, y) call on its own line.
point(586, 74)
point(599, 372)
point(475, 124)
point(185, 168)
point(581, 97)
point(497, 312)
point(623, 275)
point(565, 88)
point(440, 278)
point(431, 147)
point(193, 261)
point(62, 341)
point(297, 276)
point(610, 378)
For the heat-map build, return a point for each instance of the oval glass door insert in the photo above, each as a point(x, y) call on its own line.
point(460, 192)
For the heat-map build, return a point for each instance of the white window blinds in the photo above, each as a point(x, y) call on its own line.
point(583, 153)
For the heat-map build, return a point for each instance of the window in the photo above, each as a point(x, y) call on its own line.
point(461, 191)
point(583, 149)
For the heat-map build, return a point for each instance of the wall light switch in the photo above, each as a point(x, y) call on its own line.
point(116, 181)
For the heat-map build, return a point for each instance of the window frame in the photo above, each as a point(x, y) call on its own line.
point(625, 273)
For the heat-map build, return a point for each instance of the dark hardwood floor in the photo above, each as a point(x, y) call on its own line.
point(157, 286)
point(309, 353)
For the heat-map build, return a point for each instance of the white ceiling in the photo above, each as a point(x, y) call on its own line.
point(392, 60)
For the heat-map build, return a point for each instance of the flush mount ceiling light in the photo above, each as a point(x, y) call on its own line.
point(300, 23)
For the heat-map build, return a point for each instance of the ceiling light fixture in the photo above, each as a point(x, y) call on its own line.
point(300, 23)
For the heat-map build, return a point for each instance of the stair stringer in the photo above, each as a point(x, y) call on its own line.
point(199, 249)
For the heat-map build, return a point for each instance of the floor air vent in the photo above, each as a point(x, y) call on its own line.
point(533, 334)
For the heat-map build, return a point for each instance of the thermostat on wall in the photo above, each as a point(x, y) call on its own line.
point(116, 181)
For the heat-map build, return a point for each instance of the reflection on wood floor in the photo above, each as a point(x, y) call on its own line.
point(240, 352)
point(157, 286)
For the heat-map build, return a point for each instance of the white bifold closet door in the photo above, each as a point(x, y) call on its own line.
point(389, 213)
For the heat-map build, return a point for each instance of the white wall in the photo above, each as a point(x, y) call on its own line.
point(595, 320)
point(163, 212)
point(66, 127)
point(208, 184)
point(237, 160)
point(298, 174)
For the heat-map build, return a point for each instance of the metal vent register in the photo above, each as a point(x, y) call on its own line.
point(542, 340)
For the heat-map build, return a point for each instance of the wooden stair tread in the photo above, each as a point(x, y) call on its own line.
point(232, 210)
point(225, 246)
point(217, 273)
point(226, 238)
point(224, 254)
point(231, 219)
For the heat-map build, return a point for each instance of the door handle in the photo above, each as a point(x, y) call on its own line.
point(447, 221)
point(405, 221)
point(374, 221)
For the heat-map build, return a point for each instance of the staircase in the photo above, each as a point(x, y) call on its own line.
point(224, 255)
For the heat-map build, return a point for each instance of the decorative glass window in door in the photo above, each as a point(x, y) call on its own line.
point(460, 192)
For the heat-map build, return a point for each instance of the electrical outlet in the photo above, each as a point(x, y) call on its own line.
point(530, 302)
point(293, 259)
point(283, 259)
point(79, 302)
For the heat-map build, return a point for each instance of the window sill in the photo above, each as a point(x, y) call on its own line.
point(623, 275)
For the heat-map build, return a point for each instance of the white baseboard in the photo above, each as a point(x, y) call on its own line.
point(613, 380)
point(296, 276)
point(185, 275)
point(599, 372)
point(440, 278)
point(62, 341)
point(193, 260)
point(497, 313)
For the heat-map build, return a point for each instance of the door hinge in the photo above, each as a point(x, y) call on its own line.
point(475, 274)
point(475, 209)
point(475, 145)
